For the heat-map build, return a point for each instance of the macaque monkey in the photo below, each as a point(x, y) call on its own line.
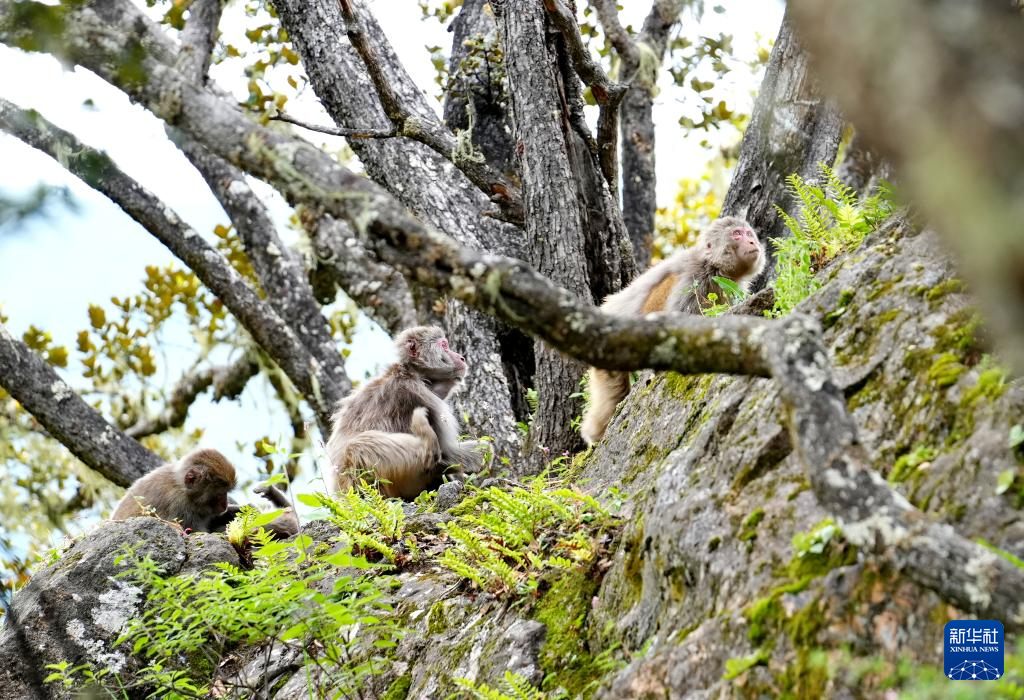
point(194, 493)
point(728, 248)
point(398, 430)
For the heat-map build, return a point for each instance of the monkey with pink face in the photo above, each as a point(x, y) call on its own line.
point(728, 248)
point(398, 431)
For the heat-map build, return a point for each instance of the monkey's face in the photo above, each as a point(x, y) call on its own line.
point(208, 483)
point(440, 362)
point(426, 350)
point(740, 251)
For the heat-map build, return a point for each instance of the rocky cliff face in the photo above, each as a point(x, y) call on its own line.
point(727, 579)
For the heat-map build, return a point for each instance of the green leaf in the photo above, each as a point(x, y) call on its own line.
point(266, 518)
point(1016, 436)
point(276, 479)
point(1005, 480)
point(308, 499)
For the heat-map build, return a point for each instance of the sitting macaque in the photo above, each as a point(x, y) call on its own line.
point(194, 493)
point(398, 431)
point(728, 248)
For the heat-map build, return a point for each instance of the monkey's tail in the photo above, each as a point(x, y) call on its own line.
point(607, 389)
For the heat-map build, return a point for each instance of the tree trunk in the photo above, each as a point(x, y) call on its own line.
point(422, 180)
point(554, 217)
point(792, 130)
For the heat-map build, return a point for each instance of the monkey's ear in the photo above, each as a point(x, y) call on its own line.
point(191, 477)
point(412, 347)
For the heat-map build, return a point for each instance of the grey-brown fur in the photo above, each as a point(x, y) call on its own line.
point(690, 272)
point(192, 491)
point(374, 428)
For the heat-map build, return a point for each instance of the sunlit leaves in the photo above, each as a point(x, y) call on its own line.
point(41, 341)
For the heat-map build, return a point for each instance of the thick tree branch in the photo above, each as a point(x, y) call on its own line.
point(227, 382)
point(430, 132)
point(380, 291)
point(198, 38)
point(606, 92)
point(874, 517)
point(266, 327)
point(69, 419)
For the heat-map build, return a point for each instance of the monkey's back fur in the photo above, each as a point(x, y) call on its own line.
point(681, 282)
point(396, 428)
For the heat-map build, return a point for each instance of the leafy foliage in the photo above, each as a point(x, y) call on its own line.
point(513, 687)
point(502, 540)
point(374, 524)
point(191, 623)
point(831, 219)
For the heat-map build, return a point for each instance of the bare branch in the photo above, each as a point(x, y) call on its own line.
point(338, 131)
point(69, 419)
point(227, 382)
point(606, 92)
point(267, 328)
point(608, 15)
point(198, 38)
point(430, 132)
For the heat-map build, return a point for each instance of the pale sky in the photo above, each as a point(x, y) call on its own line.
point(51, 269)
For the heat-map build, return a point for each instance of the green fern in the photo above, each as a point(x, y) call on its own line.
point(501, 541)
point(513, 687)
point(830, 220)
point(369, 520)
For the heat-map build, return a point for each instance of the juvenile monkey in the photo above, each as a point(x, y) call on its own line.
point(398, 430)
point(728, 248)
point(194, 492)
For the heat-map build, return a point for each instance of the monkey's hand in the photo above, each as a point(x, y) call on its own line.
point(270, 492)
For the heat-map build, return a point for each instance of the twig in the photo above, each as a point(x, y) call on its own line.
point(337, 130)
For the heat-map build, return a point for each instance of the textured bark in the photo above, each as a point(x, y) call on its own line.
point(941, 99)
point(421, 179)
point(792, 130)
point(480, 90)
point(425, 127)
point(69, 419)
point(343, 261)
point(199, 37)
point(552, 200)
point(639, 172)
point(98, 171)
